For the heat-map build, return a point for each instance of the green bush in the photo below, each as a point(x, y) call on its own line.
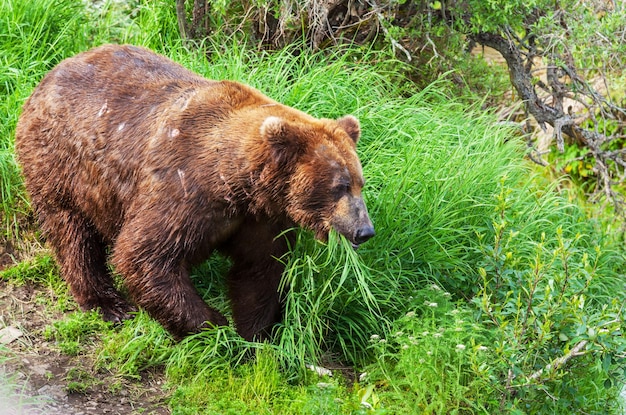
point(436, 359)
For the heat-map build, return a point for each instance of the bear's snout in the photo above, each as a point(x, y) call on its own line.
point(364, 233)
point(352, 220)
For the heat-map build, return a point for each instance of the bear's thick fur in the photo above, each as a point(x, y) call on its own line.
point(129, 157)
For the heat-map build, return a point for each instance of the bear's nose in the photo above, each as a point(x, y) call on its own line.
point(364, 233)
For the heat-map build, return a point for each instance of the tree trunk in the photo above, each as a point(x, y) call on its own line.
point(181, 15)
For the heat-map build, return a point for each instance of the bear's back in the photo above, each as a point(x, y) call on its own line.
point(84, 133)
point(108, 130)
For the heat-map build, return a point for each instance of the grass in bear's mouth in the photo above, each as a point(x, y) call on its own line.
point(450, 308)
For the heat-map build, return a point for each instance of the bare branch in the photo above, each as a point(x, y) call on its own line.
point(394, 43)
point(520, 64)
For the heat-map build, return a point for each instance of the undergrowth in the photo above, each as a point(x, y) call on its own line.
point(484, 291)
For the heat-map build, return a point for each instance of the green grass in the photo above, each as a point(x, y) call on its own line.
point(481, 273)
point(75, 331)
point(34, 37)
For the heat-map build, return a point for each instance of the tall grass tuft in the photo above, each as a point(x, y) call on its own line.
point(34, 36)
point(330, 306)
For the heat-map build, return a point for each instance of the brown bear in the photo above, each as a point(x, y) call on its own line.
point(129, 157)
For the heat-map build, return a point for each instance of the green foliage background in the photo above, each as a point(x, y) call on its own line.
point(481, 276)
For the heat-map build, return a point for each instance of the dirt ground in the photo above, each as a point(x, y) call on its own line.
point(35, 378)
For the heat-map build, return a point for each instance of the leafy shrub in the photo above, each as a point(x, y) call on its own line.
point(555, 301)
point(436, 359)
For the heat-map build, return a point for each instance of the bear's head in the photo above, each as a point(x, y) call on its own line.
point(324, 175)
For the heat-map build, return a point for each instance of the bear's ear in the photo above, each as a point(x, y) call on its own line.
point(351, 125)
point(285, 141)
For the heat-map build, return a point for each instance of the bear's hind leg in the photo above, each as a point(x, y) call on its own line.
point(81, 254)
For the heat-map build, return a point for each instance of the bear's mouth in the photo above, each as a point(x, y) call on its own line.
point(362, 235)
point(354, 243)
point(356, 238)
point(322, 235)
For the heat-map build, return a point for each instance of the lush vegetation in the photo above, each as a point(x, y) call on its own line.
point(486, 289)
point(564, 62)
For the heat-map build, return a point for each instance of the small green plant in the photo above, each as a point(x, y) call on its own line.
point(39, 270)
point(79, 380)
point(42, 271)
point(435, 360)
point(76, 332)
point(138, 345)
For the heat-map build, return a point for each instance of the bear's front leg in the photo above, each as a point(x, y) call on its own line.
point(156, 275)
point(258, 252)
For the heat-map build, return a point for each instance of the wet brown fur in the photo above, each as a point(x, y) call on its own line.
point(127, 152)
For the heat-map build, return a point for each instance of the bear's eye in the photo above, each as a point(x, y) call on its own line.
point(341, 189)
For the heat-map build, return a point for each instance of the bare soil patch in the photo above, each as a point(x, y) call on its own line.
point(38, 379)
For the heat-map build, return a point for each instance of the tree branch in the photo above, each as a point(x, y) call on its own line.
point(557, 363)
point(520, 65)
point(394, 43)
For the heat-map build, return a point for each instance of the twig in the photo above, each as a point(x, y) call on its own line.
point(507, 386)
point(559, 123)
point(394, 43)
point(557, 363)
point(432, 44)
